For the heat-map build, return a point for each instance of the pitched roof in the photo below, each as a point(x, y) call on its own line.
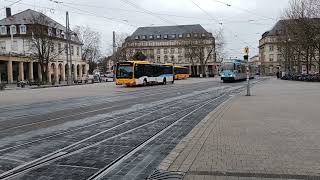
point(27, 16)
point(169, 30)
point(280, 26)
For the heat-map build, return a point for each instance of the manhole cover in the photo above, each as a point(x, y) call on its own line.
point(167, 175)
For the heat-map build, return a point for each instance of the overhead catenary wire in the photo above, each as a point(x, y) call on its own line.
point(15, 2)
point(220, 23)
point(242, 9)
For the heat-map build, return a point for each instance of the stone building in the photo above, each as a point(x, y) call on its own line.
point(274, 56)
point(17, 49)
point(185, 45)
point(270, 51)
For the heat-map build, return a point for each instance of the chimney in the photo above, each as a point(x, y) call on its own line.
point(8, 12)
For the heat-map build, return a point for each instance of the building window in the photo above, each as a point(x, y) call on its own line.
point(203, 35)
point(173, 36)
point(179, 59)
point(144, 43)
point(279, 48)
point(165, 36)
point(158, 51)
point(188, 35)
point(172, 59)
point(52, 47)
point(13, 29)
point(144, 37)
point(270, 48)
point(158, 36)
point(151, 37)
point(50, 32)
point(59, 47)
point(14, 45)
point(150, 43)
point(180, 35)
point(172, 50)
point(165, 51)
point(271, 57)
point(158, 59)
point(136, 38)
point(58, 33)
point(66, 48)
point(2, 46)
point(23, 29)
point(165, 58)
point(78, 51)
point(3, 30)
point(72, 50)
point(195, 35)
point(179, 50)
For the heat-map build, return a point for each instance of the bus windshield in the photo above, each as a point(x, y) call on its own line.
point(124, 71)
point(228, 66)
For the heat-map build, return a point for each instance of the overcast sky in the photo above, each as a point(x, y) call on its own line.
point(243, 21)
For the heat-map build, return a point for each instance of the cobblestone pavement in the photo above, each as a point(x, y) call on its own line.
point(84, 144)
point(274, 134)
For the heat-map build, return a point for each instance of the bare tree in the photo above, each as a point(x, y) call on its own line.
point(219, 44)
point(42, 42)
point(91, 45)
point(199, 51)
point(300, 36)
point(120, 53)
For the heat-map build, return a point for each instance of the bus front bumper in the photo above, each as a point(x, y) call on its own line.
point(128, 82)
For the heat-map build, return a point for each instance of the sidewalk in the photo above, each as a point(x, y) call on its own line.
point(274, 134)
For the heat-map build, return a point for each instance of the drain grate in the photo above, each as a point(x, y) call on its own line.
point(167, 175)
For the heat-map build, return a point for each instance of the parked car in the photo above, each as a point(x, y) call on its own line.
point(107, 77)
point(83, 79)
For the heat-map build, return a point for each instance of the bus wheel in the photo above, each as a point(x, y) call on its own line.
point(164, 81)
point(145, 82)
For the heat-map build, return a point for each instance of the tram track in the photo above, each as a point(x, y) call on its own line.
point(83, 113)
point(75, 148)
point(95, 140)
point(153, 92)
point(149, 111)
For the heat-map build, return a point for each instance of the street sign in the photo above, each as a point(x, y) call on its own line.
point(246, 50)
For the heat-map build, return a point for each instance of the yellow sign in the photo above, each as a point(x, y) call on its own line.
point(246, 50)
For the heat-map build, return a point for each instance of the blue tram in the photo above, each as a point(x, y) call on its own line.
point(235, 69)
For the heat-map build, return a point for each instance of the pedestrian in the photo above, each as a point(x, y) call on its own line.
point(278, 74)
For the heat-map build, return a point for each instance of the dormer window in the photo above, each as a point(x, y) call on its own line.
point(165, 36)
point(49, 31)
point(180, 35)
point(203, 35)
point(144, 37)
point(3, 30)
point(195, 35)
point(151, 37)
point(23, 29)
point(13, 29)
point(136, 38)
point(188, 35)
point(58, 32)
point(173, 36)
point(158, 36)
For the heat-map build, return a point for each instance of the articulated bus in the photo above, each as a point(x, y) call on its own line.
point(234, 69)
point(181, 72)
point(133, 73)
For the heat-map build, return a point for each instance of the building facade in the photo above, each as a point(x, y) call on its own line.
point(18, 51)
point(278, 52)
point(185, 45)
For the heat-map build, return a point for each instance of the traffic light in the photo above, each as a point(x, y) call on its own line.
point(246, 57)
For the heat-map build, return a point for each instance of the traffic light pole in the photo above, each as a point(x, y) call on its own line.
point(246, 58)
